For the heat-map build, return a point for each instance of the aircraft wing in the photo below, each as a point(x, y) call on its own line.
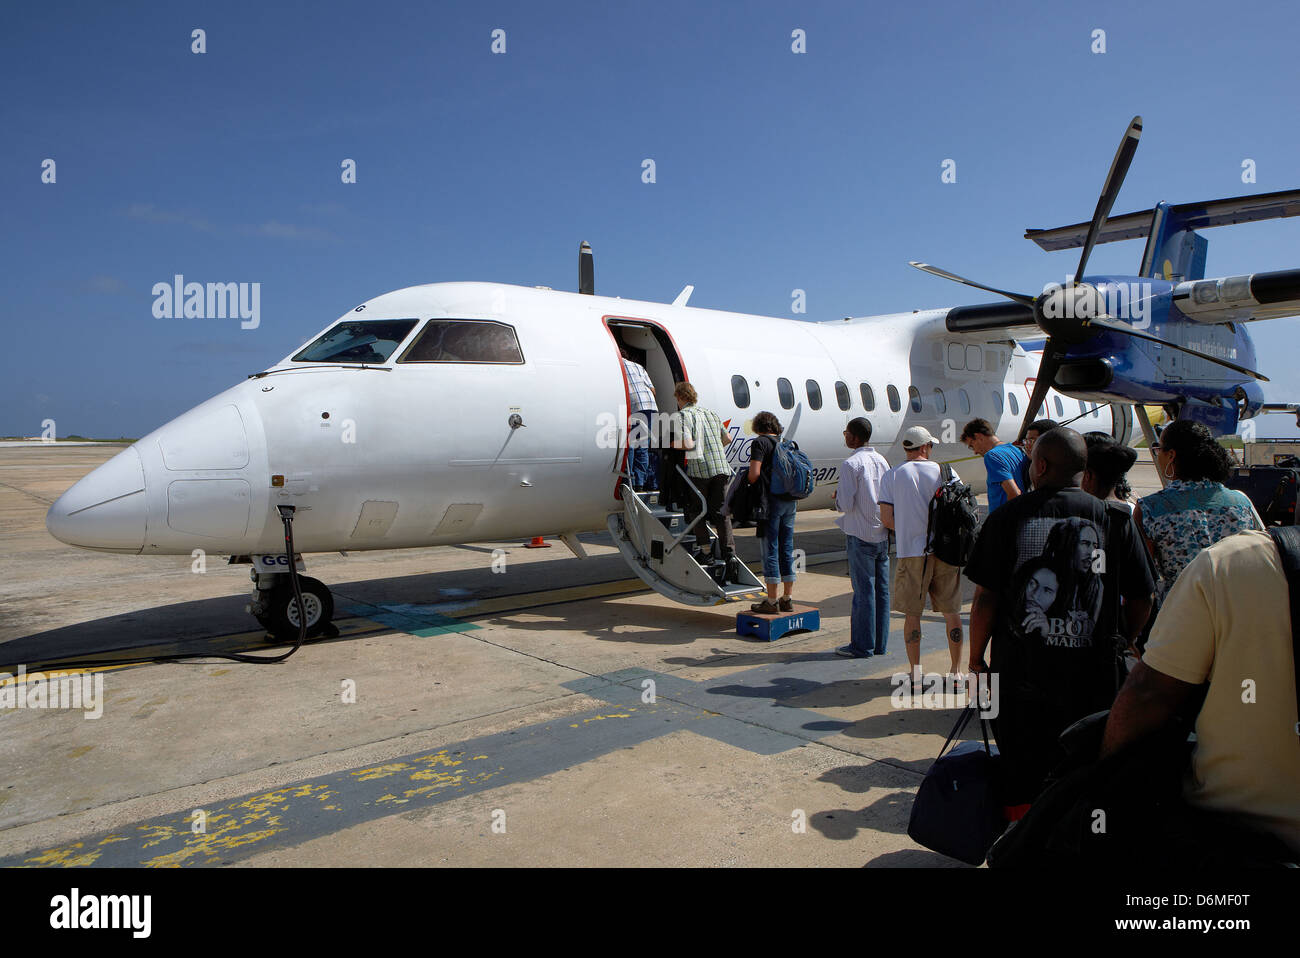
point(1240, 299)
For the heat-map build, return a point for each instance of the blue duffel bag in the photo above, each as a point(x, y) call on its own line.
point(958, 808)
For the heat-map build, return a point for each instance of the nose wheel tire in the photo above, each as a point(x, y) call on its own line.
point(280, 617)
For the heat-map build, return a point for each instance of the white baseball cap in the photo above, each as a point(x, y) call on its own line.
point(916, 437)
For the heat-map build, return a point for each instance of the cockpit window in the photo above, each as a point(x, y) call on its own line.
point(464, 341)
point(358, 341)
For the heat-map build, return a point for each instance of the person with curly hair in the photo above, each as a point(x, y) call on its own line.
point(1195, 510)
point(778, 529)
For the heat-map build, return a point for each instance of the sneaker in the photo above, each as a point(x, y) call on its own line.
point(849, 652)
point(766, 607)
point(786, 604)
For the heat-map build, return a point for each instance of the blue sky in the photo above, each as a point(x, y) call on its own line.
point(775, 171)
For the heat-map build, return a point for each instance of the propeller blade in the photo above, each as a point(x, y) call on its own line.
point(1118, 327)
point(1114, 180)
point(944, 274)
point(1053, 355)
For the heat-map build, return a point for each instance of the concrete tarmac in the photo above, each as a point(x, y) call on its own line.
point(553, 713)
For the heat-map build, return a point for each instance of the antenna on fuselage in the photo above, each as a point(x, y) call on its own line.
point(586, 270)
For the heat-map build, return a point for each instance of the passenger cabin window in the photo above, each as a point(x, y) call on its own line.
point(997, 403)
point(739, 392)
point(914, 398)
point(1060, 409)
point(357, 341)
point(1015, 406)
point(464, 341)
point(842, 396)
point(814, 394)
point(786, 393)
point(868, 397)
point(894, 402)
point(1083, 410)
point(940, 400)
point(964, 400)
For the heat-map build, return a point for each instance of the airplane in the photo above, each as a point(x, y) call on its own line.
point(468, 411)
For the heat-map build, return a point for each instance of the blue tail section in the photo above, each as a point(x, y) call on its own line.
point(1174, 250)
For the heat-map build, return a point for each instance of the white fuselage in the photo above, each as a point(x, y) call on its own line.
point(400, 454)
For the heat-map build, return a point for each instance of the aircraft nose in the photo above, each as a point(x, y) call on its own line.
point(106, 509)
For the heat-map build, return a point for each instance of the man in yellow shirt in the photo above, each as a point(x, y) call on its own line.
point(1227, 621)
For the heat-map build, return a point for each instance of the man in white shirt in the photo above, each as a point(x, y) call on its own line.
point(867, 542)
point(643, 466)
point(906, 492)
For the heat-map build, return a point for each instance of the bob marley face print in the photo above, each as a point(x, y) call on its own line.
point(1058, 586)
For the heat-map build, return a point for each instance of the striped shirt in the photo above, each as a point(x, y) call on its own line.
point(709, 457)
point(641, 390)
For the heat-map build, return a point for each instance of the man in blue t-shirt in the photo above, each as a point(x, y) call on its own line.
point(1004, 464)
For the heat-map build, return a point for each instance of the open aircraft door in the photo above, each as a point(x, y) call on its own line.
point(663, 560)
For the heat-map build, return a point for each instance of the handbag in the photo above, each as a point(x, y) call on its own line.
point(958, 808)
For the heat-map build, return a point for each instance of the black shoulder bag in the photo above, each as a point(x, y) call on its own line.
point(958, 808)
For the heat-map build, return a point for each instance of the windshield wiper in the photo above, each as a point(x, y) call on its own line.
point(289, 369)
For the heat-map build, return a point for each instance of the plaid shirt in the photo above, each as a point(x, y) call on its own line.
point(709, 457)
point(640, 389)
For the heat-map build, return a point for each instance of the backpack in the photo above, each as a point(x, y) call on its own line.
point(953, 522)
point(792, 471)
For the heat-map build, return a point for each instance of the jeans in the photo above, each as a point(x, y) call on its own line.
point(778, 541)
point(642, 461)
point(869, 570)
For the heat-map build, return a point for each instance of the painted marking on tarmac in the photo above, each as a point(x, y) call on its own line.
point(298, 813)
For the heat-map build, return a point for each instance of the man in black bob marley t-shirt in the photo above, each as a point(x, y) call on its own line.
point(1050, 568)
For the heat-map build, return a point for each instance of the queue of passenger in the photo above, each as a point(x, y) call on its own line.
point(1065, 574)
point(1064, 587)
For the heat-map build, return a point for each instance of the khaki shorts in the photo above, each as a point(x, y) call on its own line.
point(917, 575)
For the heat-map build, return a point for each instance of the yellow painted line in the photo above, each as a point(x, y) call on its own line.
point(8, 675)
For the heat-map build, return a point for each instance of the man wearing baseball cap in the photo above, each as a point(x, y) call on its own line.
point(905, 494)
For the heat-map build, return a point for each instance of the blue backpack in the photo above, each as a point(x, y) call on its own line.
point(792, 471)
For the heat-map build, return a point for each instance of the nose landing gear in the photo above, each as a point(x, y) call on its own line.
point(276, 610)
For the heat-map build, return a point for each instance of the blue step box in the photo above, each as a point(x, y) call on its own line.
point(769, 628)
